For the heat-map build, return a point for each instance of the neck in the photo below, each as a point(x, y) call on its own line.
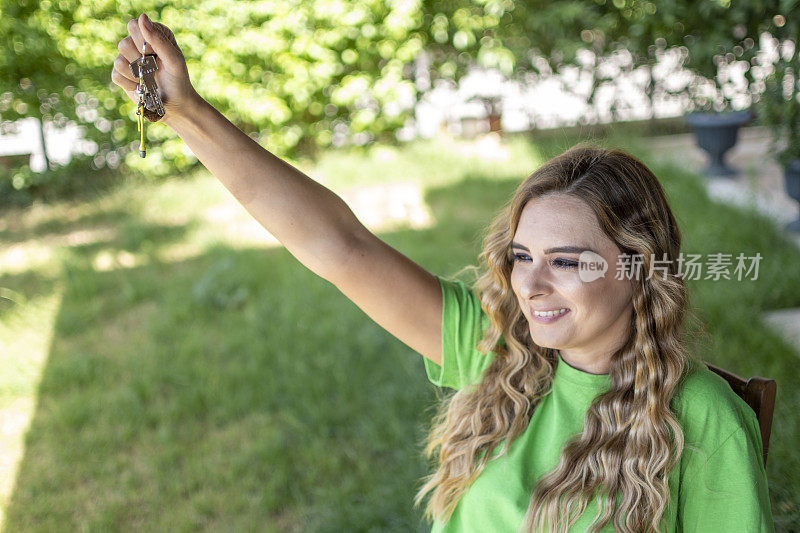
point(597, 365)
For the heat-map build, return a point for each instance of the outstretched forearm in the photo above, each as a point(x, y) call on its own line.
point(310, 220)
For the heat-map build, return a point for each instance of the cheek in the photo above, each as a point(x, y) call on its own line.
point(594, 295)
point(580, 293)
point(611, 296)
point(515, 281)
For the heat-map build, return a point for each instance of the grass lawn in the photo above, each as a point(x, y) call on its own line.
point(163, 367)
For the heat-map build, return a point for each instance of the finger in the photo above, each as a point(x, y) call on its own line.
point(162, 41)
point(122, 66)
point(136, 34)
point(128, 50)
point(127, 85)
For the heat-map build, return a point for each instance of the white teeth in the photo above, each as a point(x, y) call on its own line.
point(550, 313)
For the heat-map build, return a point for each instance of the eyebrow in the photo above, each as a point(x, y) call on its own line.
point(556, 249)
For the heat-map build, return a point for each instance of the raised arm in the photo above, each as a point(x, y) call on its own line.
point(311, 221)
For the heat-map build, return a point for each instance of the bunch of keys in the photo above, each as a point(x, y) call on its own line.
point(149, 106)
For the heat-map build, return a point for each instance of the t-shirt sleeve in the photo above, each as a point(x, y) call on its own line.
point(728, 490)
point(463, 325)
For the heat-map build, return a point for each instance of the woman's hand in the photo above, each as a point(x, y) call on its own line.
point(172, 76)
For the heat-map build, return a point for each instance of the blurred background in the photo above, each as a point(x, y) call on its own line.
point(166, 365)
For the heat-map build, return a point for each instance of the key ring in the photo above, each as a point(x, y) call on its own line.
point(149, 105)
point(140, 90)
point(144, 69)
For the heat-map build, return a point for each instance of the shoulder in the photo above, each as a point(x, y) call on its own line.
point(463, 325)
point(461, 305)
point(458, 288)
point(708, 409)
point(703, 389)
point(721, 481)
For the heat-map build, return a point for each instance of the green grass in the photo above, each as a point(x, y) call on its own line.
point(227, 387)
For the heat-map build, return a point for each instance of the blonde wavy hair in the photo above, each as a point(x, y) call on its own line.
point(631, 439)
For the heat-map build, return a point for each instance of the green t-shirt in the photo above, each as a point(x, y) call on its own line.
point(719, 485)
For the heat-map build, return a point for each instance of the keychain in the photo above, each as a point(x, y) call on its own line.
point(149, 106)
point(140, 118)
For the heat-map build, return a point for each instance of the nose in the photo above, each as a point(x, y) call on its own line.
point(534, 281)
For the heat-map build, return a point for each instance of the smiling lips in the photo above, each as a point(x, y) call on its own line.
point(548, 316)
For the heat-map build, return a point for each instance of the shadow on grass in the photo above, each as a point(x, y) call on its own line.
point(129, 234)
point(56, 227)
point(237, 390)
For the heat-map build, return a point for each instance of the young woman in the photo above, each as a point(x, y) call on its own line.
point(577, 407)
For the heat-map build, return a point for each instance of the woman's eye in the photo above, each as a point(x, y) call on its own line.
point(564, 263)
point(558, 263)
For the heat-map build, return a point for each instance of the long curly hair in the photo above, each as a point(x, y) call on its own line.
point(631, 439)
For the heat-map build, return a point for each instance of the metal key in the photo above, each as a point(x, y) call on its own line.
point(144, 68)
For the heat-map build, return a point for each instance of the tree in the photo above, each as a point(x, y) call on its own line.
point(297, 76)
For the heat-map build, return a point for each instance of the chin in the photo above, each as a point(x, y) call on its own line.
point(547, 343)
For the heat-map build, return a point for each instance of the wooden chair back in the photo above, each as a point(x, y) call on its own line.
point(759, 394)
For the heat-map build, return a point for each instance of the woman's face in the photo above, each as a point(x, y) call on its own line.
point(594, 315)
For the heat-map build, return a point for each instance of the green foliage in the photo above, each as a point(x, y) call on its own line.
point(60, 69)
point(293, 74)
point(779, 107)
point(289, 74)
point(511, 36)
point(544, 37)
point(715, 34)
point(299, 75)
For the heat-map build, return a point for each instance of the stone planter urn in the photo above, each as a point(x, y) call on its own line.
point(791, 175)
point(716, 134)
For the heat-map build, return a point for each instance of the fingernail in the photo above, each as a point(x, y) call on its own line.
point(147, 23)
